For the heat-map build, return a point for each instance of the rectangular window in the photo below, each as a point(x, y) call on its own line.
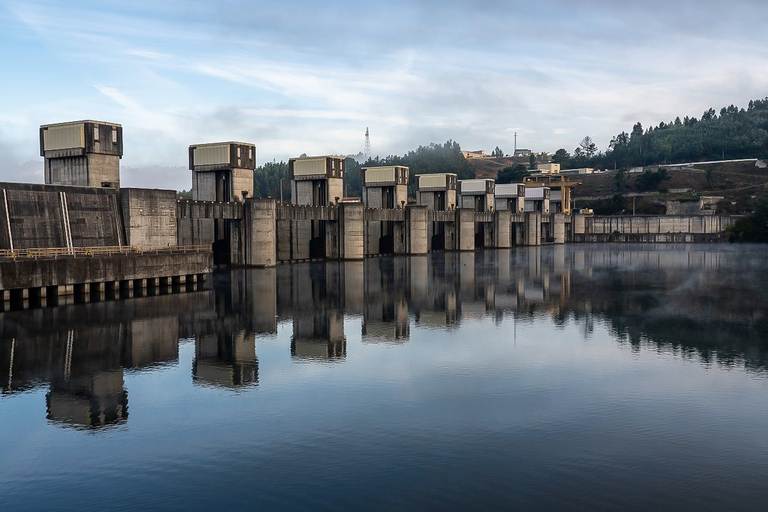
point(238, 151)
point(96, 133)
point(114, 135)
point(250, 153)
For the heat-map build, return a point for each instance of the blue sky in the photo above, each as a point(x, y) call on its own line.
point(308, 77)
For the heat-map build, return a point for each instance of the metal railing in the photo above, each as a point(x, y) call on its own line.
point(89, 252)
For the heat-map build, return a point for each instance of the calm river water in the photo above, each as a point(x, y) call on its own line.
point(557, 378)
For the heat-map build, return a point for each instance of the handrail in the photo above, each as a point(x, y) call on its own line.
point(75, 252)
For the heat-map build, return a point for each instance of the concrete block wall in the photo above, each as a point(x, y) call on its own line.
point(150, 217)
point(502, 225)
point(416, 229)
point(242, 184)
point(558, 228)
point(465, 229)
point(35, 216)
point(351, 227)
point(260, 230)
point(532, 228)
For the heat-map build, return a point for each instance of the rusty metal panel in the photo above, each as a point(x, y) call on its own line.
point(433, 181)
point(215, 154)
point(309, 167)
point(536, 192)
point(473, 186)
point(66, 136)
point(510, 190)
point(380, 174)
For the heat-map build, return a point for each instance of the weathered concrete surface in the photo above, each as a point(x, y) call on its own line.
point(652, 228)
point(532, 228)
point(502, 225)
point(465, 227)
point(34, 216)
point(31, 273)
point(260, 232)
point(558, 228)
point(416, 229)
point(188, 209)
point(150, 217)
point(351, 227)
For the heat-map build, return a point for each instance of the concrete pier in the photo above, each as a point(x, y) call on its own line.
point(532, 228)
point(465, 228)
point(260, 230)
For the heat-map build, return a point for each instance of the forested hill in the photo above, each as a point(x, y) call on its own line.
point(424, 160)
point(733, 133)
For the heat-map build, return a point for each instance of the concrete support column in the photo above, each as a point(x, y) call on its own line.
point(96, 291)
point(260, 232)
point(579, 224)
point(465, 229)
point(501, 226)
point(533, 228)
point(416, 229)
point(558, 228)
point(351, 231)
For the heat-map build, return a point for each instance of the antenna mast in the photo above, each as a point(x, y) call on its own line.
point(515, 151)
point(367, 152)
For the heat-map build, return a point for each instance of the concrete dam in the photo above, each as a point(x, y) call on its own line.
point(82, 236)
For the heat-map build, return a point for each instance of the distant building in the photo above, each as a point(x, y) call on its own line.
point(385, 187)
point(475, 154)
point(316, 180)
point(548, 168)
point(576, 172)
point(436, 191)
point(523, 152)
point(560, 186)
point(222, 171)
point(537, 199)
point(511, 197)
point(477, 194)
point(82, 153)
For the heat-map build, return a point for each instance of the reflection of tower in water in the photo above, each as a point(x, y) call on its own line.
point(385, 315)
point(226, 360)
point(319, 335)
point(89, 400)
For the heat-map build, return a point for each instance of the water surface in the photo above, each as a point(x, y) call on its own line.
point(572, 377)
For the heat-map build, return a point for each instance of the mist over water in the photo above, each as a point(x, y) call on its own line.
point(578, 377)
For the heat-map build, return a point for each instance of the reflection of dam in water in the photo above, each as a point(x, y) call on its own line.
point(81, 353)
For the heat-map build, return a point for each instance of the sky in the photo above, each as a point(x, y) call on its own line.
point(307, 76)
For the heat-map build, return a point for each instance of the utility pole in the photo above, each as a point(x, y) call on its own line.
point(515, 150)
point(367, 152)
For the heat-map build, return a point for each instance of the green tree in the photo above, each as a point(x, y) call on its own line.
point(561, 157)
point(513, 174)
point(588, 147)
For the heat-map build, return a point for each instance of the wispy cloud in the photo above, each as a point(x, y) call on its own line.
point(299, 76)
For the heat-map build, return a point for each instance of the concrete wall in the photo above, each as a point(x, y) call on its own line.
point(682, 208)
point(351, 227)
point(465, 227)
point(103, 169)
point(532, 228)
point(242, 181)
point(31, 273)
point(89, 170)
point(416, 229)
point(502, 224)
point(260, 232)
point(33, 216)
point(661, 228)
point(150, 217)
